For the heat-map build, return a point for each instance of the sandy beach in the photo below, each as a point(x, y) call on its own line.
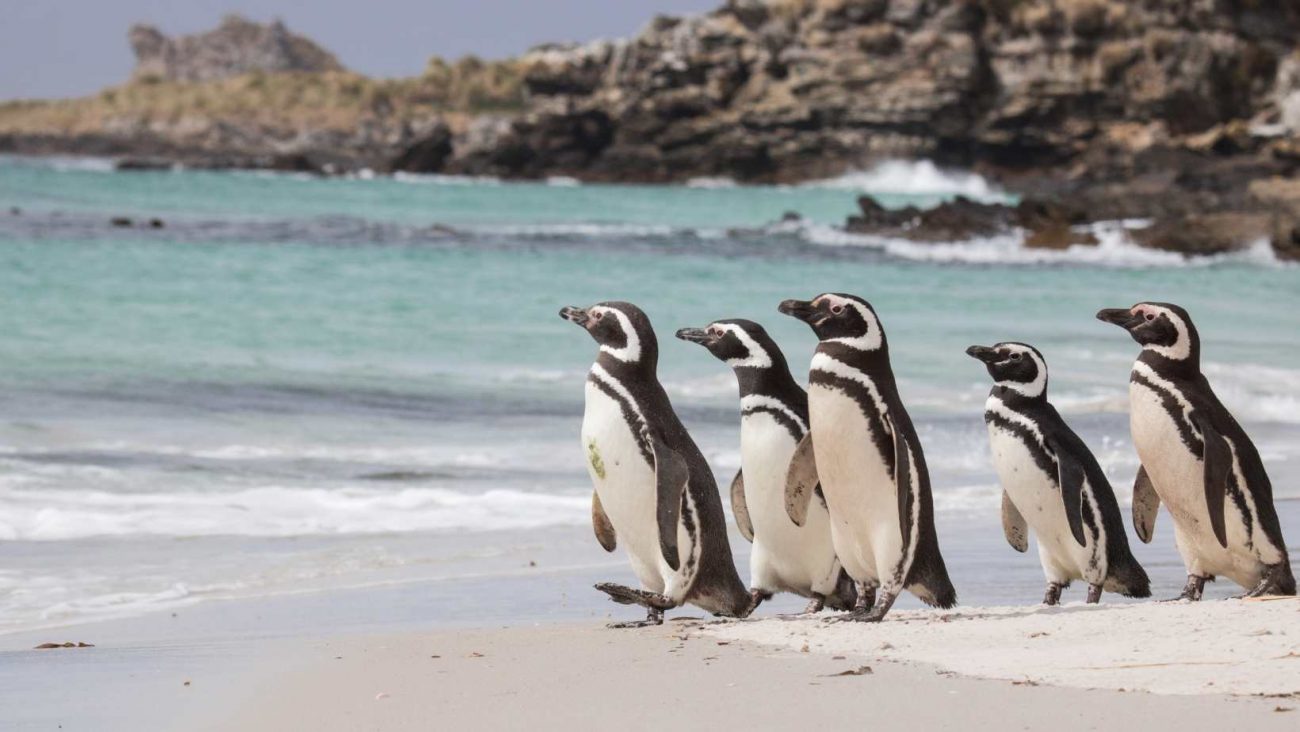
point(773, 673)
point(369, 659)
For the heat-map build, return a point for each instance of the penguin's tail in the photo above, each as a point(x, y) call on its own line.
point(928, 578)
point(1128, 579)
point(939, 593)
point(933, 587)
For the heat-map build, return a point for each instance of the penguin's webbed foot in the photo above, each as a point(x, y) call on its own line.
point(1053, 595)
point(1275, 580)
point(856, 615)
point(1094, 594)
point(1193, 590)
point(815, 605)
point(653, 616)
point(625, 595)
point(756, 598)
point(874, 615)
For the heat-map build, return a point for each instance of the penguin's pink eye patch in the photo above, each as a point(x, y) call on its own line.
point(598, 315)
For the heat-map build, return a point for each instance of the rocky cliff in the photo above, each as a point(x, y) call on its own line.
point(789, 89)
point(1183, 112)
point(237, 46)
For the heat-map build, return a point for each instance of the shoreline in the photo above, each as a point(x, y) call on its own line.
point(582, 677)
point(343, 659)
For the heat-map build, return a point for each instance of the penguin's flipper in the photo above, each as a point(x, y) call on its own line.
point(800, 481)
point(1218, 467)
point(671, 477)
point(600, 522)
point(1014, 525)
point(1070, 477)
point(1146, 504)
point(739, 508)
point(903, 482)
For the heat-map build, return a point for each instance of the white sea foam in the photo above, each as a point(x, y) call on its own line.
point(1114, 249)
point(1257, 393)
point(917, 178)
point(45, 515)
point(563, 181)
point(711, 183)
point(591, 230)
point(439, 179)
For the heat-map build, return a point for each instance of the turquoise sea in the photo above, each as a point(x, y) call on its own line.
point(299, 383)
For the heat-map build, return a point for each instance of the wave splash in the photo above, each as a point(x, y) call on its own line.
point(915, 178)
point(273, 511)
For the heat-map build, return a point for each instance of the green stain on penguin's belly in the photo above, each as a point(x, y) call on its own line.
point(593, 455)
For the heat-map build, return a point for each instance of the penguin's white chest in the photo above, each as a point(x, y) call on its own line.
point(1178, 476)
point(1175, 471)
point(623, 479)
point(1037, 497)
point(785, 557)
point(858, 485)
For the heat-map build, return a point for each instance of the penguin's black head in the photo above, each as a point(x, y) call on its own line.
point(1015, 366)
point(739, 343)
point(846, 319)
point(1160, 327)
point(621, 328)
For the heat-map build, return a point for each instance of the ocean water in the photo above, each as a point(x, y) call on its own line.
point(299, 384)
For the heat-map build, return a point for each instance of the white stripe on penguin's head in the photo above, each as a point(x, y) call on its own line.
point(755, 355)
point(873, 336)
point(1181, 348)
point(1032, 387)
point(630, 352)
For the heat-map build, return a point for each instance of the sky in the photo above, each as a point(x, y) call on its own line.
point(65, 48)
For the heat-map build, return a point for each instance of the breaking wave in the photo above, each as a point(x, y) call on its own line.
point(914, 178)
point(273, 511)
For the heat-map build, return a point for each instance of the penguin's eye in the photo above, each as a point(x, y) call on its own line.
point(598, 315)
point(837, 309)
point(1151, 316)
point(1015, 357)
point(715, 332)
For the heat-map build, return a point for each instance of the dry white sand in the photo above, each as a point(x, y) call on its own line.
point(689, 675)
point(1212, 647)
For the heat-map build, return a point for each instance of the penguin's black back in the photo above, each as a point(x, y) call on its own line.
point(928, 568)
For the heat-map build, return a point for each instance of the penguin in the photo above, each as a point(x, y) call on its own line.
point(1052, 483)
point(868, 457)
point(786, 557)
point(1198, 461)
point(654, 492)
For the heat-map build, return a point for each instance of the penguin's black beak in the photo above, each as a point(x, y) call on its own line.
point(801, 309)
point(695, 335)
point(577, 316)
point(984, 353)
point(1123, 317)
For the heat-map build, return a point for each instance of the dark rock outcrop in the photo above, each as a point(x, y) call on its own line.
point(789, 89)
point(237, 46)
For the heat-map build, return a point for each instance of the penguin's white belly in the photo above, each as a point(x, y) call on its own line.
point(785, 557)
point(858, 486)
point(625, 483)
point(1038, 498)
point(1178, 476)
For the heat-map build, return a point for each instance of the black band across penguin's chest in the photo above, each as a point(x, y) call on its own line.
point(782, 418)
point(1042, 458)
point(630, 416)
point(861, 396)
point(1169, 401)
